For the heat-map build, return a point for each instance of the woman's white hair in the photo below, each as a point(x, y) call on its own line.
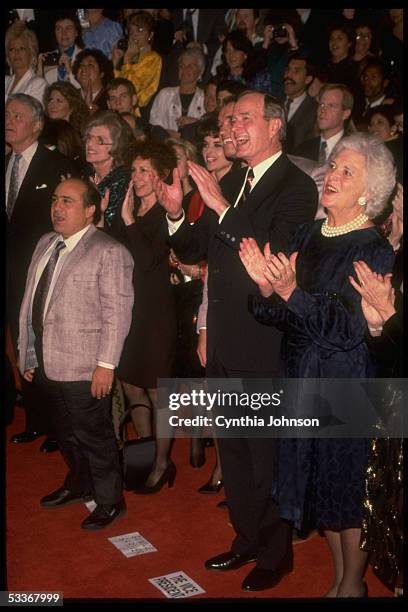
point(380, 168)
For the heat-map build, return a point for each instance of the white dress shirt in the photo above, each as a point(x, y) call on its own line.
point(331, 142)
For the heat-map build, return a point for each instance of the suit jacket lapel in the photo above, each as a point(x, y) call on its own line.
point(71, 260)
point(267, 184)
point(33, 268)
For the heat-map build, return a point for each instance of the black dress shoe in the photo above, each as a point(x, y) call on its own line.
point(49, 446)
point(25, 436)
point(228, 561)
point(211, 488)
point(260, 579)
point(104, 515)
point(64, 497)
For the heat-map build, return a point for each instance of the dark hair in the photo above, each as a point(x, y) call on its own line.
point(117, 82)
point(72, 16)
point(79, 110)
point(386, 110)
point(347, 30)
point(162, 156)
point(61, 134)
point(120, 132)
point(233, 87)
point(208, 126)
point(240, 42)
point(255, 11)
point(105, 64)
point(143, 18)
point(301, 56)
point(92, 197)
point(376, 63)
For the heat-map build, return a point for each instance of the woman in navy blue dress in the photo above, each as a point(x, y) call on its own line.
point(309, 296)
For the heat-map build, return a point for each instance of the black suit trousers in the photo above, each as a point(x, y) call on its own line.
point(85, 436)
point(248, 468)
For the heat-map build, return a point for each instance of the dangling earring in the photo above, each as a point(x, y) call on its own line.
point(362, 201)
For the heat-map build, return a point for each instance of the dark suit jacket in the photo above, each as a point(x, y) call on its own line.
point(30, 219)
point(309, 149)
point(284, 198)
point(302, 125)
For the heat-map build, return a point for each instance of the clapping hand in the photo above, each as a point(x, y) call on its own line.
point(283, 272)
point(256, 265)
point(170, 196)
point(208, 187)
point(378, 296)
point(128, 206)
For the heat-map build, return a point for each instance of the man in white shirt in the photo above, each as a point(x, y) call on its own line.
point(74, 318)
point(334, 108)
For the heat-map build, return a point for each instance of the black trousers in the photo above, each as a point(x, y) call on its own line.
point(248, 469)
point(84, 432)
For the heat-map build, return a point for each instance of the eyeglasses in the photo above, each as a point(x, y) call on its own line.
point(330, 105)
point(97, 140)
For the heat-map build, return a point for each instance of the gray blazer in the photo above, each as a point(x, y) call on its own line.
point(90, 310)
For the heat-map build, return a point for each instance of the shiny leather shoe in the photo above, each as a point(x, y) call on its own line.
point(49, 446)
point(260, 579)
point(211, 488)
point(25, 436)
point(104, 515)
point(228, 561)
point(169, 476)
point(64, 497)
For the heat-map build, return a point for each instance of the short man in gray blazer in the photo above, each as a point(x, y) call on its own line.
point(74, 319)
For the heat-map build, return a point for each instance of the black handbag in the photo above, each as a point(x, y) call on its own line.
point(137, 456)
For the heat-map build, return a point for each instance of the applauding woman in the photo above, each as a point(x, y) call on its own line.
point(307, 293)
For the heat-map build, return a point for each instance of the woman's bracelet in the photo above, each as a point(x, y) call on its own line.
point(375, 329)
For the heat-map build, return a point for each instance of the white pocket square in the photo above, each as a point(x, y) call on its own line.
point(43, 186)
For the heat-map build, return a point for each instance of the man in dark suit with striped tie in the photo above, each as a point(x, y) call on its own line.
point(279, 198)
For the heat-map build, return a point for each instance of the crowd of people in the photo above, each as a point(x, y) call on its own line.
point(218, 193)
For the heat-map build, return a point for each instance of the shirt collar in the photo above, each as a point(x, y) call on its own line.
point(73, 240)
point(29, 152)
point(260, 169)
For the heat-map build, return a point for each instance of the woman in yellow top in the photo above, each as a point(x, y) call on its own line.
point(139, 63)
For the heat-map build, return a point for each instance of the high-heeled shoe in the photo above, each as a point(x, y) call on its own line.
point(211, 488)
point(197, 453)
point(168, 476)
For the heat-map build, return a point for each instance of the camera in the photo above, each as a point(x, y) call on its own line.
point(122, 44)
point(52, 58)
point(280, 31)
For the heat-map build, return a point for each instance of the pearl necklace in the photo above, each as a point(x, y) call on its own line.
point(338, 230)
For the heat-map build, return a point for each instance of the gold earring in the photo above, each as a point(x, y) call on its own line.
point(362, 201)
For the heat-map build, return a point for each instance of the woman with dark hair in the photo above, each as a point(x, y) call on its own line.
point(59, 134)
point(107, 141)
point(64, 101)
point(381, 123)
point(237, 58)
point(364, 45)
point(93, 71)
point(57, 65)
point(149, 349)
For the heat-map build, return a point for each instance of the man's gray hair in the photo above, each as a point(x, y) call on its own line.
point(380, 168)
point(33, 104)
point(273, 109)
point(197, 54)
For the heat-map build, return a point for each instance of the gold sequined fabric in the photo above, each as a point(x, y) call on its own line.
point(382, 532)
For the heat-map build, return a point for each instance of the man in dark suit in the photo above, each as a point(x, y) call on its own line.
point(32, 173)
point(300, 107)
point(334, 108)
point(281, 197)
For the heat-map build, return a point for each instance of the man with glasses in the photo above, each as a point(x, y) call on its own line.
point(335, 104)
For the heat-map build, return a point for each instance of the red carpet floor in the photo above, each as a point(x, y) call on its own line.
point(48, 551)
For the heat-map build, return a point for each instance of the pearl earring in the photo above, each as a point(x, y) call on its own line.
point(362, 201)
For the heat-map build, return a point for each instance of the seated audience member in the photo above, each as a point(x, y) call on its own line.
point(237, 58)
point(210, 95)
point(281, 38)
point(375, 82)
point(381, 123)
point(122, 96)
point(64, 101)
point(57, 65)
point(226, 89)
point(108, 139)
point(300, 107)
point(163, 31)
point(364, 45)
point(333, 110)
point(148, 352)
point(136, 61)
point(93, 71)
point(175, 107)
point(21, 53)
point(102, 33)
